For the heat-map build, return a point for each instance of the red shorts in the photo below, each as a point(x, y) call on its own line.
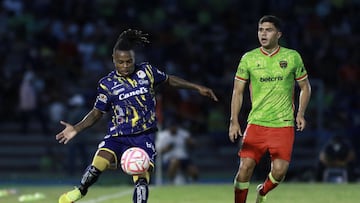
point(259, 139)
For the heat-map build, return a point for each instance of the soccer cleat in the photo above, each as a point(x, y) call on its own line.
point(260, 198)
point(71, 196)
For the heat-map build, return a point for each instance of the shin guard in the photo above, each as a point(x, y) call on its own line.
point(90, 177)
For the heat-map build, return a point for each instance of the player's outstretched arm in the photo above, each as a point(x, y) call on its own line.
point(71, 131)
point(177, 82)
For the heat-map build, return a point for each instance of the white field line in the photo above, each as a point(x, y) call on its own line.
point(107, 197)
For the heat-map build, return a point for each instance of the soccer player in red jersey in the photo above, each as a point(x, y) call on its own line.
point(271, 71)
point(128, 94)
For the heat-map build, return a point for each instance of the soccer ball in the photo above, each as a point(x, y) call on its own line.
point(135, 161)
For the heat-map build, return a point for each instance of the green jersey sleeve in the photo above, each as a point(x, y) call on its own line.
point(300, 72)
point(242, 72)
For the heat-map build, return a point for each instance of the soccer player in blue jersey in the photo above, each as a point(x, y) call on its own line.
point(128, 94)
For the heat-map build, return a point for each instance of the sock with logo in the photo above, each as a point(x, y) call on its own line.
point(141, 191)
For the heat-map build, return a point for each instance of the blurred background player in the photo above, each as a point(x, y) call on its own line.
point(30, 101)
point(128, 94)
point(77, 149)
point(337, 155)
point(174, 143)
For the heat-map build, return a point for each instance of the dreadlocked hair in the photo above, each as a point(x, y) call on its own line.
point(128, 39)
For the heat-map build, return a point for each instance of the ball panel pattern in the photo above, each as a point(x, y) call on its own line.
point(135, 161)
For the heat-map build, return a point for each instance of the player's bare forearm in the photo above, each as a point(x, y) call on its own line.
point(90, 119)
point(236, 100)
point(304, 98)
point(305, 93)
point(71, 131)
point(177, 82)
point(236, 103)
point(234, 128)
point(180, 83)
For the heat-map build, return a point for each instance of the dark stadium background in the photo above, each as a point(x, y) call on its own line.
point(67, 45)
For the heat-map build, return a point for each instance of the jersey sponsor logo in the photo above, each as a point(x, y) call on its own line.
point(142, 90)
point(102, 98)
point(258, 66)
point(143, 82)
point(160, 72)
point(141, 74)
point(116, 92)
point(283, 64)
point(116, 85)
point(150, 146)
point(271, 79)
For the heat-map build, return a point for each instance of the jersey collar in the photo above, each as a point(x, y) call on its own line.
point(270, 54)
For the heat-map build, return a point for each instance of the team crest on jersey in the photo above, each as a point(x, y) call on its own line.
point(283, 64)
point(141, 74)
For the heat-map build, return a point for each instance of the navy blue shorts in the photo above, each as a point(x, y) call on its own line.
point(118, 144)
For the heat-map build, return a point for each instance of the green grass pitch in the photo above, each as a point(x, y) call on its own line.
point(200, 193)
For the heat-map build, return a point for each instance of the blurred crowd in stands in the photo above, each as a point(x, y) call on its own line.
point(54, 50)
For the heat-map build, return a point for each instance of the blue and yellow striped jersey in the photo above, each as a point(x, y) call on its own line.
point(130, 100)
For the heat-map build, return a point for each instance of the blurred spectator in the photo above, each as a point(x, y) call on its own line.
point(337, 153)
point(173, 144)
point(77, 149)
point(57, 110)
point(29, 104)
point(216, 127)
